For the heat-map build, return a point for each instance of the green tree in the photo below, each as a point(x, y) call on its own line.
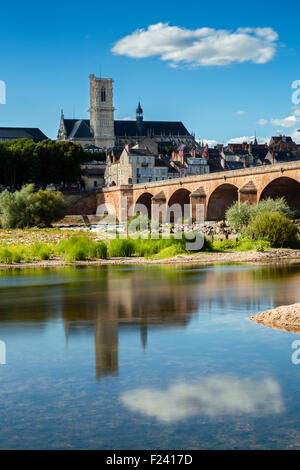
point(17, 208)
point(25, 208)
point(48, 207)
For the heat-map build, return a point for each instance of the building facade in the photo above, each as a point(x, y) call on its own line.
point(136, 165)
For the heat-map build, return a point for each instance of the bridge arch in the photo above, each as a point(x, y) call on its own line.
point(177, 202)
point(286, 187)
point(145, 200)
point(220, 200)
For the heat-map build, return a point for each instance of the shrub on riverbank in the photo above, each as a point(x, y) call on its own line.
point(240, 215)
point(25, 208)
point(276, 228)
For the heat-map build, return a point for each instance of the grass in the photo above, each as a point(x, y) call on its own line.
point(59, 244)
point(243, 244)
point(121, 247)
point(81, 248)
point(170, 252)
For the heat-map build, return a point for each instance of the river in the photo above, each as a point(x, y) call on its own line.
point(155, 357)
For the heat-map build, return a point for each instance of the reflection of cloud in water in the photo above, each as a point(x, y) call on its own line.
point(213, 396)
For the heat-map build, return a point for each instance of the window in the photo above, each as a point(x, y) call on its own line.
point(138, 159)
point(130, 159)
point(103, 94)
point(149, 159)
point(144, 160)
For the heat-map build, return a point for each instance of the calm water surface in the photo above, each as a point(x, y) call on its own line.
point(147, 357)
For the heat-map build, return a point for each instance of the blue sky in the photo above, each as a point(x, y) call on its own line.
point(49, 49)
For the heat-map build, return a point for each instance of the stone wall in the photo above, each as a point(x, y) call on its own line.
point(81, 204)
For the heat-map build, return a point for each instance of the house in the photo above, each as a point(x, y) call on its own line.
point(283, 143)
point(281, 156)
point(188, 161)
point(93, 175)
point(135, 165)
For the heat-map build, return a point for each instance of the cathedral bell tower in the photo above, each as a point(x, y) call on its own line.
point(102, 111)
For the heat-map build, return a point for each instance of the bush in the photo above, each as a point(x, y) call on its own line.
point(274, 227)
point(272, 205)
point(121, 247)
point(48, 207)
point(239, 215)
point(17, 208)
point(25, 208)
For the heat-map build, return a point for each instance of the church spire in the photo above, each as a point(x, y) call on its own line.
point(139, 113)
point(255, 140)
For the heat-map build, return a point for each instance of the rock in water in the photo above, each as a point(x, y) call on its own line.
point(286, 317)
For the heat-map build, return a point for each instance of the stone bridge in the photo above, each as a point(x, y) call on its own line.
point(215, 191)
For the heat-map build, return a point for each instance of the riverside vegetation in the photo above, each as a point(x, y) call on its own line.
point(262, 227)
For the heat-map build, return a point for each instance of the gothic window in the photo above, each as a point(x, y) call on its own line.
point(103, 94)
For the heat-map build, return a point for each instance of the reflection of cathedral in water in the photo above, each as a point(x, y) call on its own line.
point(120, 303)
point(141, 300)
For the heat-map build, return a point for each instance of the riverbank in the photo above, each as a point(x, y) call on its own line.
point(273, 256)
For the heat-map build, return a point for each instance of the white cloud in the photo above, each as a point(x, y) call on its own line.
point(296, 136)
point(127, 118)
point(290, 121)
point(210, 143)
point(240, 113)
point(287, 122)
point(247, 138)
point(214, 396)
point(199, 47)
point(262, 122)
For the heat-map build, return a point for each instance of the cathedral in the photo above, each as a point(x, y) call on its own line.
point(103, 131)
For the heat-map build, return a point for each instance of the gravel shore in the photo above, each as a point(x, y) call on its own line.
point(275, 256)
